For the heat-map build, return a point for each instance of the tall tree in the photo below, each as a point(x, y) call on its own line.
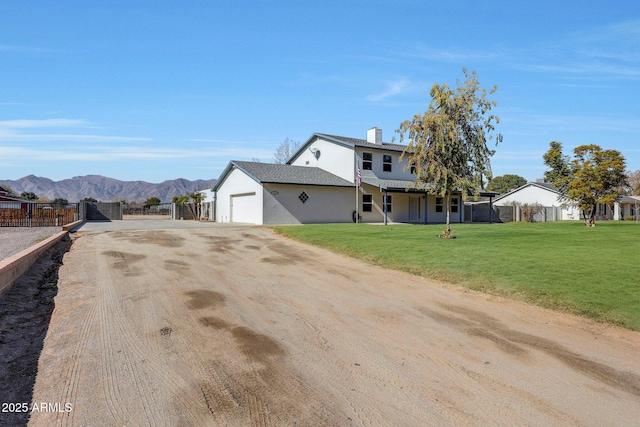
point(594, 176)
point(28, 195)
point(60, 201)
point(197, 198)
point(285, 151)
point(152, 201)
point(505, 183)
point(634, 182)
point(448, 143)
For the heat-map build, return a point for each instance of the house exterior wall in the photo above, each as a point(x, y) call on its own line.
point(401, 207)
point(282, 204)
point(377, 167)
point(236, 183)
point(534, 194)
point(531, 194)
point(334, 158)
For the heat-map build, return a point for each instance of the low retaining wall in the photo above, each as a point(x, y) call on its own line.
point(14, 266)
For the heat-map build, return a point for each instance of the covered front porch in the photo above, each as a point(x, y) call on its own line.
point(384, 201)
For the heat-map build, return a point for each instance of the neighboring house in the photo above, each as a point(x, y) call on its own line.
point(627, 208)
point(12, 202)
point(542, 193)
point(547, 195)
point(319, 185)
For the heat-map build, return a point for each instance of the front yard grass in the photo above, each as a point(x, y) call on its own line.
point(561, 265)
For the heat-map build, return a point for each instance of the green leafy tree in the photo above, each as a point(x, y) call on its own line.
point(448, 143)
point(197, 204)
point(505, 183)
point(152, 201)
point(89, 199)
point(593, 176)
point(60, 201)
point(28, 195)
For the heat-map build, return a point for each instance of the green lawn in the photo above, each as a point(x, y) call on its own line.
point(562, 265)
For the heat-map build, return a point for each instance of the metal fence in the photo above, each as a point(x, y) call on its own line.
point(159, 209)
point(26, 214)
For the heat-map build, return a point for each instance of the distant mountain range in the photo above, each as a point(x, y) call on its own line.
point(105, 189)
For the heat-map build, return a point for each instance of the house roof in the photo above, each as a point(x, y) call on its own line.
point(629, 199)
point(396, 185)
point(347, 142)
point(544, 185)
point(357, 142)
point(270, 173)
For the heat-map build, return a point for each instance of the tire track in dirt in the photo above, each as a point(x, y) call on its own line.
point(152, 365)
point(72, 376)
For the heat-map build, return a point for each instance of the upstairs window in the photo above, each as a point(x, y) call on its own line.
point(367, 161)
point(386, 163)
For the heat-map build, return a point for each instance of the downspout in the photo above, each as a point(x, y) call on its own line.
point(215, 204)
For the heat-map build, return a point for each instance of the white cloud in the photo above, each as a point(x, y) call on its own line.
point(37, 124)
point(102, 154)
point(24, 49)
point(393, 88)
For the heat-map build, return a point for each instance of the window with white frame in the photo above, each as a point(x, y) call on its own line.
point(386, 163)
point(439, 204)
point(367, 161)
point(387, 204)
point(454, 205)
point(367, 203)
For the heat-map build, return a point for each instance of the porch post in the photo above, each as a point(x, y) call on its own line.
point(490, 210)
point(426, 205)
point(384, 205)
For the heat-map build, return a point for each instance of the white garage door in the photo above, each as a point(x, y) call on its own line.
point(244, 208)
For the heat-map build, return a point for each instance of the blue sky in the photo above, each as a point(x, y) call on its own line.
point(155, 90)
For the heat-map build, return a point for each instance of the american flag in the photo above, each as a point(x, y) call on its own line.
point(359, 175)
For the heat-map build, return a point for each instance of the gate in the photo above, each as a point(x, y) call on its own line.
point(28, 214)
point(102, 211)
point(159, 209)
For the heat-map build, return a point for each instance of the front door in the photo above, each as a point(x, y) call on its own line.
point(414, 209)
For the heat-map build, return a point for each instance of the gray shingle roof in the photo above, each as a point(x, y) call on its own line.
point(393, 184)
point(363, 143)
point(266, 173)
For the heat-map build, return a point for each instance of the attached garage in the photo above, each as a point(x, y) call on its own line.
point(245, 208)
point(264, 193)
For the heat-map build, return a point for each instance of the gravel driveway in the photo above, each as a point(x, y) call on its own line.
point(17, 239)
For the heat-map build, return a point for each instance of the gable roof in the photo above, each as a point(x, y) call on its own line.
point(357, 142)
point(271, 173)
point(543, 185)
point(347, 142)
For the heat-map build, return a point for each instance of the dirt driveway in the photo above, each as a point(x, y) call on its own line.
point(237, 326)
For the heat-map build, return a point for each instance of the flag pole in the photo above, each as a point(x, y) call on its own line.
point(357, 184)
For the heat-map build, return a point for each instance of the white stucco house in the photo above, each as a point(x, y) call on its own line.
point(547, 195)
point(319, 184)
point(543, 193)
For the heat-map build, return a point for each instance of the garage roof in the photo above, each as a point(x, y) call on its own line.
point(270, 173)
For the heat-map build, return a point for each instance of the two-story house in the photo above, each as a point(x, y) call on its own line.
point(329, 179)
